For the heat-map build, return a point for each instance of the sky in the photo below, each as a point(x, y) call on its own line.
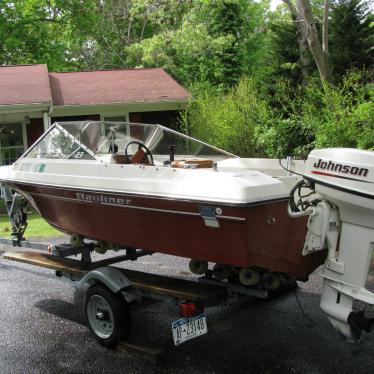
point(274, 4)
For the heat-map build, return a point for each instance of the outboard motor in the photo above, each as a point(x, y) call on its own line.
point(341, 221)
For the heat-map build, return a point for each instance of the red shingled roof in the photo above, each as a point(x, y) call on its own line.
point(28, 84)
point(114, 86)
point(24, 84)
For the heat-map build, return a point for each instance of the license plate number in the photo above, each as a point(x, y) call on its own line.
point(188, 328)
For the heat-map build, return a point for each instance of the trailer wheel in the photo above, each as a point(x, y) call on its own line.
point(107, 315)
point(198, 267)
point(221, 271)
point(270, 281)
point(249, 277)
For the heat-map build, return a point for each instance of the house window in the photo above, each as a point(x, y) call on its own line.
point(11, 142)
point(122, 118)
point(119, 118)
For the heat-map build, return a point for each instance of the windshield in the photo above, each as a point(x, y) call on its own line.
point(102, 137)
point(58, 144)
point(90, 139)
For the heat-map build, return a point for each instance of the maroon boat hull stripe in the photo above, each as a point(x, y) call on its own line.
point(338, 176)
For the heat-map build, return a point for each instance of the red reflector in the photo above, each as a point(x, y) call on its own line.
point(189, 309)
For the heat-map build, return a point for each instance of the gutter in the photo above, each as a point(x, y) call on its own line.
point(20, 108)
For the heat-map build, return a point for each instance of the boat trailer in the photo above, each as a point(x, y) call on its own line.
point(111, 291)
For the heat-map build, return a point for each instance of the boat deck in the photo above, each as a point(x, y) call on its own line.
point(156, 284)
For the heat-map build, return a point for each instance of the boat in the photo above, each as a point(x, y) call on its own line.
point(145, 186)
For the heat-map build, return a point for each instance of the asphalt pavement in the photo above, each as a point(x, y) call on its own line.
point(42, 330)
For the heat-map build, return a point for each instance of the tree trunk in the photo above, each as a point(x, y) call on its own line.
point(325, 27)
point(301, 41)
point(320, 57)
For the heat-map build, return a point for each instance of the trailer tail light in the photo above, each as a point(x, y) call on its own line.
point(189, 309)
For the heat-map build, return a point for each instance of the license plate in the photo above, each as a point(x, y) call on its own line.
point(188, 328)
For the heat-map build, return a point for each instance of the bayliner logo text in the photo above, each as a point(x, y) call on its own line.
point(102, 199)
point(340, 168)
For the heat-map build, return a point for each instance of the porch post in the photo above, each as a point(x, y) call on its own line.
point(46, 121)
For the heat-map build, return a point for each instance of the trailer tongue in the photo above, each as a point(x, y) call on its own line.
point(341, 221)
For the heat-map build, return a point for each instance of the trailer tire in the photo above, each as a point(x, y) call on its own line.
point(107, 315)
point(221, 271)
point(198, 267)
point(270, 281)
point(249, 277)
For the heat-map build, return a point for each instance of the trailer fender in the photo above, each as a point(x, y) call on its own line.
point(109, 276)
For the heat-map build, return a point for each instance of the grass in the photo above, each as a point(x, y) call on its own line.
point(37, 227)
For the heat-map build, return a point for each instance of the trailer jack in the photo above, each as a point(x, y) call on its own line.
point(17, 213)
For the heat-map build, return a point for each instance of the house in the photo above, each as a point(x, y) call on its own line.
point(31, 99)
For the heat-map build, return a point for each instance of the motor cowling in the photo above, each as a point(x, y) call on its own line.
point(342, 170)
point(341, 220)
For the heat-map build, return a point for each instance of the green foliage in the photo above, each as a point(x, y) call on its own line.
point(190, 54)
point(118, 24)
point(229, 120)
point(243, 123)
point(284, 55)
point(227, 20)
point(351, 36)
point(35, 31)
point(347, 115)
point(214, 42)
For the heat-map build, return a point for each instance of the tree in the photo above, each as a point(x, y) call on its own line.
point(299, 26)
point(227, 20)
point(214, 42)
point(118, 24)
point(284, 56)
point(351, 36)
point(37, 31)
point(302, 14)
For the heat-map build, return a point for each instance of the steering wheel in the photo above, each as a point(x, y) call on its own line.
point(140, 153)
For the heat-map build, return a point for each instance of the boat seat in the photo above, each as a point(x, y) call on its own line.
point(194, 163)
point(122, 158)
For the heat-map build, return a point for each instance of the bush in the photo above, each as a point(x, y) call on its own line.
point(231, 120)
point(322, 117)
point(245, 123)
point(345, 116)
